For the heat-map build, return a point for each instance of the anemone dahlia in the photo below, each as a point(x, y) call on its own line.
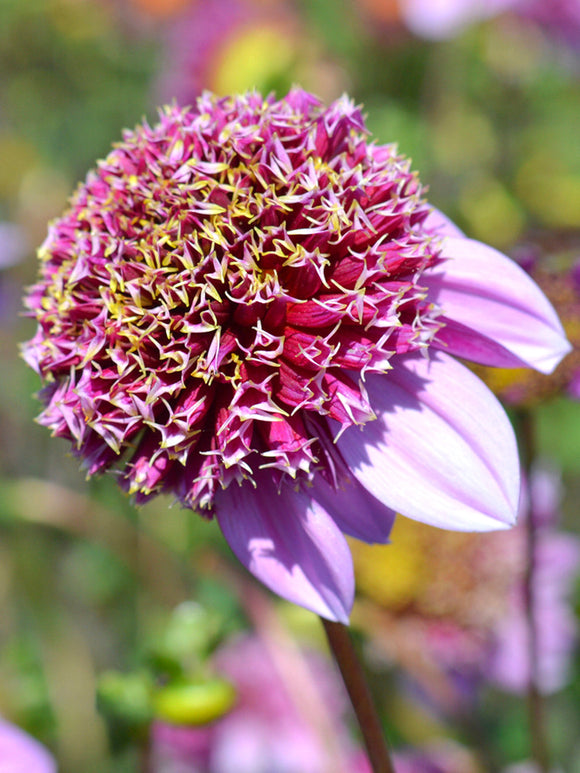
point(251, 307)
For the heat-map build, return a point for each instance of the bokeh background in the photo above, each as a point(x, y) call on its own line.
point(109, 614)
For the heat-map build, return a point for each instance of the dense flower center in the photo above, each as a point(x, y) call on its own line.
point(222, 280)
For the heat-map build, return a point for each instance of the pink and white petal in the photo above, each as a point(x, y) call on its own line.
point(486, 297)
point(439, 223)
point(355, 511)
point(441, 451)
point(21, 753)
point(290, 543)
point(469, 344)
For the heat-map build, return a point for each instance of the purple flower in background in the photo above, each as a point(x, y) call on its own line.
point(20, 753)
point(13, 244)
point(440, 19)
point(235, 41)
point(560, 18)
point(289, 718)
point(555, 567)
point(14, 247)
point(441, 757)
point(574, 385)
point(450, 609)
point(252, 308)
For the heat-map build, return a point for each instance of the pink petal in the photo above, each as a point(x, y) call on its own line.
point(20, 753)
point(441, 451)
point(495, 313)
point(290, 543)
point(355, 511)
point(437, 221)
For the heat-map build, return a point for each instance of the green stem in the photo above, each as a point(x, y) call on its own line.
point(536, 705)
point(358, 691)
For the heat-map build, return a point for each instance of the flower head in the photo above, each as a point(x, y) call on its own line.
point(252, 293)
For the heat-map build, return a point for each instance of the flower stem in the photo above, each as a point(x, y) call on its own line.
point(536, 705)
point(358, 691)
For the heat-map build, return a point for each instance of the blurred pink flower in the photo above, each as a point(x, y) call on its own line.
point(555, 568)
point(437, 757)
point(200, 46)
point(272, 728)
point(20, 753)
point(574, 386)
point(14, 247)
point(453, 615)
point(252, 293)
point(13, 244)
point(439, 19)
point(560, 18)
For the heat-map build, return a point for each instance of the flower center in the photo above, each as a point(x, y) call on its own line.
point(220, 277)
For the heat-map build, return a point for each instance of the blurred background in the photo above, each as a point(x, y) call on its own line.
point(122, 630)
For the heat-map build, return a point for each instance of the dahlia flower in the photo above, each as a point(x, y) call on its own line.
point(251, 307)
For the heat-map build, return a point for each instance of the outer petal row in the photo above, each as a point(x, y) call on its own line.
point(494, 313)
point(290, 543)
point(355, 511)
point(441, 450)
